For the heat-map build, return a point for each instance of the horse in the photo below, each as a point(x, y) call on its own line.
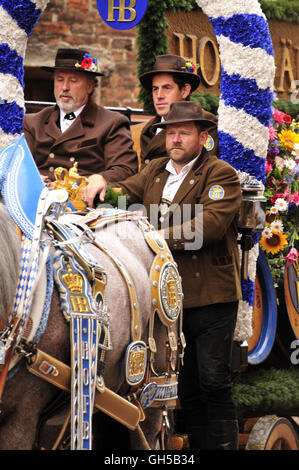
point(25, 395)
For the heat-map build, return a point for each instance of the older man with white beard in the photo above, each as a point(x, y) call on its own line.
point(78, 130)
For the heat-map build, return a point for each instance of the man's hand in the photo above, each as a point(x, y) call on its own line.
point(49, 183)
point(97, 185)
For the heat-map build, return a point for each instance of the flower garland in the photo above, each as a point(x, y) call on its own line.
point(17, 21)
point(247, 75)
point(280, 237)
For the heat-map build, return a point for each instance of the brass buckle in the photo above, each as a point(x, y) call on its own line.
point(46, 368)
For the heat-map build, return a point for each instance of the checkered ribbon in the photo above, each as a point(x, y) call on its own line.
point(28, 272)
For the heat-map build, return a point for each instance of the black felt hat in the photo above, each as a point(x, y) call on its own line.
point(77, 60)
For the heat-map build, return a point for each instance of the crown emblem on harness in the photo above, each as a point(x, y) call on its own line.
point(74, 282)
point(73, 183)
point(172, 291)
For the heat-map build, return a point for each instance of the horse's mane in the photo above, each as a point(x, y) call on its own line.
point(9, 261)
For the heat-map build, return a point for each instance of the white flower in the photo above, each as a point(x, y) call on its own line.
point(273, 210)
point(267, 233)
point(281, 204)
point(289, 163)
point(277, 225)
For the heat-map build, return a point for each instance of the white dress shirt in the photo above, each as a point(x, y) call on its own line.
point(159, 129)
point(175, 179)
point(66, 123)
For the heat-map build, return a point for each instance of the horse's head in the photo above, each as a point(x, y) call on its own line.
point(9, 262)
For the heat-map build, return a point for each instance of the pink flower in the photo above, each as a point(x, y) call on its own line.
point(269, 167)
point(291, 256)
point(278, 116)
point(272, 133)
point(295, 198)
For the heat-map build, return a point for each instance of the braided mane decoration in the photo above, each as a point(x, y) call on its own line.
point(17, 20)
point(247, 76)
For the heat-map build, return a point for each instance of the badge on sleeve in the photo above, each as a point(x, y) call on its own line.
point(216, 192)
point(209, 145)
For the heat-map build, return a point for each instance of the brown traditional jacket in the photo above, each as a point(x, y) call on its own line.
point(211, 272)
point(99, 140)
point(152, 145)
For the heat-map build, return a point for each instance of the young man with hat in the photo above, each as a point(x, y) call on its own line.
point(172, 79)
point(78, 130)
point(204, 245)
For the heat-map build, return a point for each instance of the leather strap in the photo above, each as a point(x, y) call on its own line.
point(59, 374)
point(82, 225)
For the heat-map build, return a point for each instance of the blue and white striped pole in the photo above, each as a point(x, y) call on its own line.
point(17, 20)
point(245, 107)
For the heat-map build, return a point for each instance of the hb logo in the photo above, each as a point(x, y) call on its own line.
point(122, 14)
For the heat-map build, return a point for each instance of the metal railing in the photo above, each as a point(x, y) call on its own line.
point(127, 111)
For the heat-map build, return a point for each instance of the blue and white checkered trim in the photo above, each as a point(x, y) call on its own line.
point(28, 272)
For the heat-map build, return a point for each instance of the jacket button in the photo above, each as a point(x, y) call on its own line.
point(196, 274)
point(191, 181)
point(146, 161)
point(51, 168)
point(72, 159)
point(157, 180)
point(194, 256)
point(52, 155)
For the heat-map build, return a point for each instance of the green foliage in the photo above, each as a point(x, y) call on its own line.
point(268, 390)
point(111, 197)
point(282, 10)
point(287, 107)
point(151, 41)
point(208, 101)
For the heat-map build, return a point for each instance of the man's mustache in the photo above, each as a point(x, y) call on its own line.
point(65, 95)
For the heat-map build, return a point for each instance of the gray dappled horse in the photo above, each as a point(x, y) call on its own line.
point(25, 395)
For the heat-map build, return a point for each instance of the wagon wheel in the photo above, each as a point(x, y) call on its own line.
point(272, 433)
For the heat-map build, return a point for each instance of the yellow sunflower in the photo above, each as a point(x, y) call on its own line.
point(288, 138)
point(275, 243)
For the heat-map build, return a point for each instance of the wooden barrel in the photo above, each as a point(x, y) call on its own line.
point(264, 315)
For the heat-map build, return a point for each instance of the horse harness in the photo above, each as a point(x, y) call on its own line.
point(81, 283)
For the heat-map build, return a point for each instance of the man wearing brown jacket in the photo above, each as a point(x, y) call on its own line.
point(78, 130)
point(193, 198)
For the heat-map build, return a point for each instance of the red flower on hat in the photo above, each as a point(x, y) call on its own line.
point(86, 63)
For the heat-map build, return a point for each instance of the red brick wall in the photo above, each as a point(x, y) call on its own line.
point(77, 23)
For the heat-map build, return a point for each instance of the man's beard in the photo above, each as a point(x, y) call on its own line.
point(67, 107)
point(185, 157)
